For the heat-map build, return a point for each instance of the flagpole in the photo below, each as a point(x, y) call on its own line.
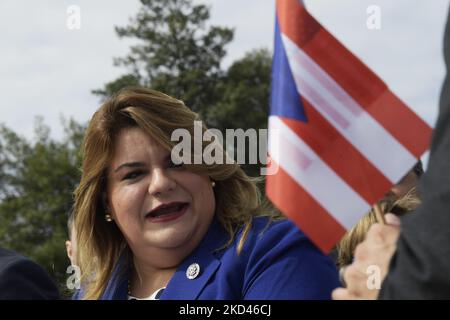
point(378, 213)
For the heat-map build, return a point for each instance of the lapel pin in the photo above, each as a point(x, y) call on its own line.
point(193, 271)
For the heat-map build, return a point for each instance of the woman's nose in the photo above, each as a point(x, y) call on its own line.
point(160, 183)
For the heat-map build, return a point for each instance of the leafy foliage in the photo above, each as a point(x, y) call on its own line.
point(36, 185)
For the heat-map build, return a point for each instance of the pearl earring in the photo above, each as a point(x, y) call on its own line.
point(108, 218)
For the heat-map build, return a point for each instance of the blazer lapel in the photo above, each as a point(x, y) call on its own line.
point(181, 287)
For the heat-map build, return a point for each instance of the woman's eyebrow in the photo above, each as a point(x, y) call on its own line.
point(130, 165)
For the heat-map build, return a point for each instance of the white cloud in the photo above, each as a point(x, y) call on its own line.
point(252, 20)
point(49, 70)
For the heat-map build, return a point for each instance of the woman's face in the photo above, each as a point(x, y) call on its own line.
point(141, 179)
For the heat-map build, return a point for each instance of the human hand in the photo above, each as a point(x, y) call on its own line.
point(371, 262)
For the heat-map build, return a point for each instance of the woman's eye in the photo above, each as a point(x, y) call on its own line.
point(132, 175)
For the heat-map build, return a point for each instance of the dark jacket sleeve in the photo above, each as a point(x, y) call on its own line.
point(22, 279)
point(420, 267)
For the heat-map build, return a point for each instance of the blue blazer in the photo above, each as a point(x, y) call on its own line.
point(277, 262)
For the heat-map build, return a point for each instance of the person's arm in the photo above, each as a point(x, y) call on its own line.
point(22, 279)
point(420, 267)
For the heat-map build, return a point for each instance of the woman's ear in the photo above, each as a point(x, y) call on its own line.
point(69, 249)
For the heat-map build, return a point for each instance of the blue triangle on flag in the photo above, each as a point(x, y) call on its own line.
point(285, 99)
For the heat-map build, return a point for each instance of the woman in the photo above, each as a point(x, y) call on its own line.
point(160, 230)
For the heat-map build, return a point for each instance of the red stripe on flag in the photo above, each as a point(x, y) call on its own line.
point(354, 77)
point(303, 210)
point(411, 130)
point(340, 155)
point(290, 15)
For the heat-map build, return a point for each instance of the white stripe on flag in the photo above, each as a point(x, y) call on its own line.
point(385, 152)
point(338, 198)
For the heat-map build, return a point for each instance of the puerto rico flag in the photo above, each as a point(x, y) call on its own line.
point(338, 137)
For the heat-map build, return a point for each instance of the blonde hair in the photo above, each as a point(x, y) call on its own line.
point(346, 247)
point(237, 197)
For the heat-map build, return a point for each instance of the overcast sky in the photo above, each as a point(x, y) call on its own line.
point(47, 69)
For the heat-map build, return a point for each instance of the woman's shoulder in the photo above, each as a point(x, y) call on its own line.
point(275, 235)
point(265, 227)
point(282, 263)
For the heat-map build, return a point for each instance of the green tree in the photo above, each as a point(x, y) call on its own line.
point(177, 52)
point(36, 184)
point(244, 101)
point(245, 89)
point(179, 55)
